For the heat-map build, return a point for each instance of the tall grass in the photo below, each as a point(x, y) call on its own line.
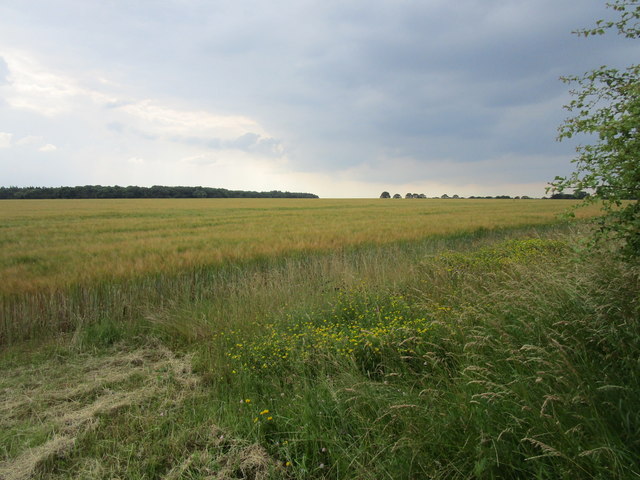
point(67, 264)
point(513, 361)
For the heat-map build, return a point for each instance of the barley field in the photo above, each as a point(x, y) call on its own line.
point(52, 244)
point(69, 263)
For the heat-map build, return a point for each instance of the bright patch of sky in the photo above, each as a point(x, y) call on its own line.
point(341, 99)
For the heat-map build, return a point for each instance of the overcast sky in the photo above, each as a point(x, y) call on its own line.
point(339, 98)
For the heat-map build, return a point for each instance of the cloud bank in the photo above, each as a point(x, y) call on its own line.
point(342, 99)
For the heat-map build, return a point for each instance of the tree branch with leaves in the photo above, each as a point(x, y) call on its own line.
point(606, 107)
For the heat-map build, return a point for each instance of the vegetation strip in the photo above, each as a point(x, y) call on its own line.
point(470, 358)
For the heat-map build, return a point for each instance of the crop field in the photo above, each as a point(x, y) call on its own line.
point(48, 244)
point(314, 339)
point(68, 262)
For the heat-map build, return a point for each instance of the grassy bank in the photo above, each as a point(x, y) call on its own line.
point(499, 354)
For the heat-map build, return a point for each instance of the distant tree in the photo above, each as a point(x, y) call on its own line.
point(408, 195)
point(456, 196)
point(385, 195)
point(444, 195)
point(397, 195)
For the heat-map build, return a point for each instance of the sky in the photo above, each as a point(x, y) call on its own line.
point(343, 99)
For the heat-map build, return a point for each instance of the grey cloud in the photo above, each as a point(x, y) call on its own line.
point(252, 142)
point(118, 103)
point(123, 129)
point(213, 143)
point(244, 142)
point(480, 74)
point(249, 142)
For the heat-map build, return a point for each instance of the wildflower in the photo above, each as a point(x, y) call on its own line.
point(269, 418)
point(264, 412)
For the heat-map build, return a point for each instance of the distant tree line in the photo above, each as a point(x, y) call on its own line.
point(157, 191)
point(445, 196)
point(577, 195)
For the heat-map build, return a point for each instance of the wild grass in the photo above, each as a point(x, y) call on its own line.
point(506, 362)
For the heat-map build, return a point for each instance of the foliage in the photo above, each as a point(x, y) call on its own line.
point(511, 252)
point(606, 106)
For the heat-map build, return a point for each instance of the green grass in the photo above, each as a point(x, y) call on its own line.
point(488, 355)
point(498, 363)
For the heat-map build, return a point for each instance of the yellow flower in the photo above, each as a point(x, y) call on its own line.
point(264, 411)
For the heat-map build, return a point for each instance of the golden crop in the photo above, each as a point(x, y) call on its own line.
point(48, 244)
